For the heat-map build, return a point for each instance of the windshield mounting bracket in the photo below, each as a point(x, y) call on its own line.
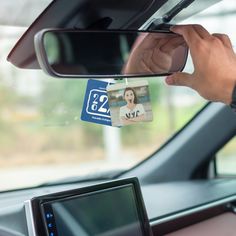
point(162, 22)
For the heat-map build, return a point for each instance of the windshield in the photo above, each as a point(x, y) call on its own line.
point(19, 7)
point(43, 139)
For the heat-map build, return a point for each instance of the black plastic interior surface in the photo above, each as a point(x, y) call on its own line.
point(161, 200)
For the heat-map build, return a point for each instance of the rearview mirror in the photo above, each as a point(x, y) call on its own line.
point(109, 54)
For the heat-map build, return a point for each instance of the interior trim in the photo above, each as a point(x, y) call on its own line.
point(193, 210)
point(30, 218)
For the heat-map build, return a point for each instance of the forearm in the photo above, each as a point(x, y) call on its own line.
point(127, 121)
point(138, 119)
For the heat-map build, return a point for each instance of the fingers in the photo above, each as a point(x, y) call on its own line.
point(150, 40)
point(202, 32)
point(188, 32)
point(224, 39)
point(180, 79)
point(172, 44)
point(192, 34)
point(145, 67)
point(157, 64)
point(147, 42)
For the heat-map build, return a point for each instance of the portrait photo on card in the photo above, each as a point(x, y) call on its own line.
point(129, 103)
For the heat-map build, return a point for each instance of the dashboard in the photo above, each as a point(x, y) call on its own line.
point(177, 208)
point(114, 208)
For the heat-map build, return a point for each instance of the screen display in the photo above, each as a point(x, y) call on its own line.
point(110, 212)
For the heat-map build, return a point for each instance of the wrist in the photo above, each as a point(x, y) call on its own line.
point(233, 99)
point(230, 93)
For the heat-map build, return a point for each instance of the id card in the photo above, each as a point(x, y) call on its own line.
point(129, 103)
point(96, 106)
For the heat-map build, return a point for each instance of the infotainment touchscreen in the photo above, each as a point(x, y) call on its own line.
point(111, 209)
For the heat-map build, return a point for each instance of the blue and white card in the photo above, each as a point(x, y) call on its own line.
point(96, 107)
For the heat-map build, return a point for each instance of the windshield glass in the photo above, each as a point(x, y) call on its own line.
point(18, 8)
point(43, 139)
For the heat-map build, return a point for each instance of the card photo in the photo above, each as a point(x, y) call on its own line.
point(129, 103)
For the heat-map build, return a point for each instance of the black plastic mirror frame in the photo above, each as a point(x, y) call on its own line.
point(46, 67)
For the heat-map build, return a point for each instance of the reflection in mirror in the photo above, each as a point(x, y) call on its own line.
point(110, 53)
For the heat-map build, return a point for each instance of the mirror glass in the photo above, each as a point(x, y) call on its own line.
point(114, 53)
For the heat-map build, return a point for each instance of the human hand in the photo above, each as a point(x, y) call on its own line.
point(152, 54)
point(214, 60)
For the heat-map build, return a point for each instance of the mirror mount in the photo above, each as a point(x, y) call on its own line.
point(163, 22)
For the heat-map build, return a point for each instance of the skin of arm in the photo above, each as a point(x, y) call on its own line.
point(131, 121)
point(126, 121)
point(214, 60)
point(138, 119)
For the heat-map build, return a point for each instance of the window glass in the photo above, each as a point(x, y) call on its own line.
point(43, 139)
point(21, 12)
point(42, 136)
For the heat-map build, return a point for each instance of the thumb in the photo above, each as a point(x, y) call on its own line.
point(180, 79)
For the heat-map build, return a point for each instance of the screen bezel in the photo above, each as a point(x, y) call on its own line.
point(38, 202)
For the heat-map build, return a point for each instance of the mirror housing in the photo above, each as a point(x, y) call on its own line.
point(110, 54)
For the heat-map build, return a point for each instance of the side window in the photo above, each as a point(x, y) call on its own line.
point(226, 159)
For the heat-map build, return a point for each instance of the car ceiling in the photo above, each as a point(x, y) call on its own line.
point(94, 14)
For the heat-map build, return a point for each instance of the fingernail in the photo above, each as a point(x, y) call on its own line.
point(169, 80)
